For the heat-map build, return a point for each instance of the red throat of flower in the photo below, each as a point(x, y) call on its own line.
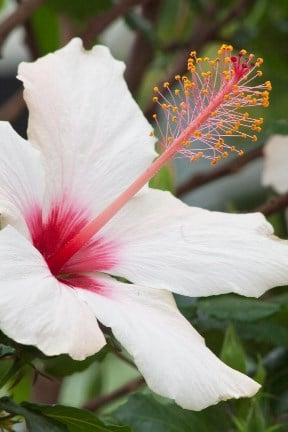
point(199, 111)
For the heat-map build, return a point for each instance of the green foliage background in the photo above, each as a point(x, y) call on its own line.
point(250, 335)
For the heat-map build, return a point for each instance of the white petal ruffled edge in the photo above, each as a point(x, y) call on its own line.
point(170, 354)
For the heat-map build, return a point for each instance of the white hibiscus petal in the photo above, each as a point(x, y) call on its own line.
point(170, 354)
point(167, 244)
point(93, 135)
point(36, 309)
point(21, 178)
point(275, 171)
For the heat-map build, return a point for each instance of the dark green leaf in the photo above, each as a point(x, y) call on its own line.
point(237, 308)
point(35, 422)
point(145, 414)
point(6, 350)
point(63, 365)
point(46, 30)
point(255, 421)
point(232, 351)
point(74, 419)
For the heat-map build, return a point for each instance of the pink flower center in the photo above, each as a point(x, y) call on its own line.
point(50, 234)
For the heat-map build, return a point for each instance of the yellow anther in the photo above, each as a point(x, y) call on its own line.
point(177, 77)
point(259, 73)
point(193, 53)
point(243, 52)
point(155, 99)
point(259, 61)
point(268, 85)
point(240, 152)
point(197, 134)
point(177, 92)
point(227, 60)
point(154, 116)
point(166, 84)
point(214, 161)
point(254, 138)
point(156, 89)
point(199, 59)
point(174, 119)
point(225, 154)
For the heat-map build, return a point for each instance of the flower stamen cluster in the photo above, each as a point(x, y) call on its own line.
point(208, 105)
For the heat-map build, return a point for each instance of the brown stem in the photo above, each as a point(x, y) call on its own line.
point(99, 23)
point(124, 390)
point(274, 205)
point(205, 29)
point(18, 17)
point(46, 390)
point(13, 107)
point(231, 167)
point(142, 51)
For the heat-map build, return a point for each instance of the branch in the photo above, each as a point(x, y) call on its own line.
point(205, 29)
point(124, 390)
point(13, 107)
point(18, 17)
point(142, 51)
point(99, 23)
point(274, 205)
point(229, 168)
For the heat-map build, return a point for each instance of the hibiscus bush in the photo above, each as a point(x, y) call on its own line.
point(143, 241)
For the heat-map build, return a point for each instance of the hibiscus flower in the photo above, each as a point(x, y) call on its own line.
point(87, 142)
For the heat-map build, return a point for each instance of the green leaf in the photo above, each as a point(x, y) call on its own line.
point(74, 419)
point(232, 351)
point(163, 180)
point(46, 30)
point(145, 414)
point(255, 421)
point(237, 308)
point(6, 350)
point(35, 422)
point(57, 418)
point(64, 365)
